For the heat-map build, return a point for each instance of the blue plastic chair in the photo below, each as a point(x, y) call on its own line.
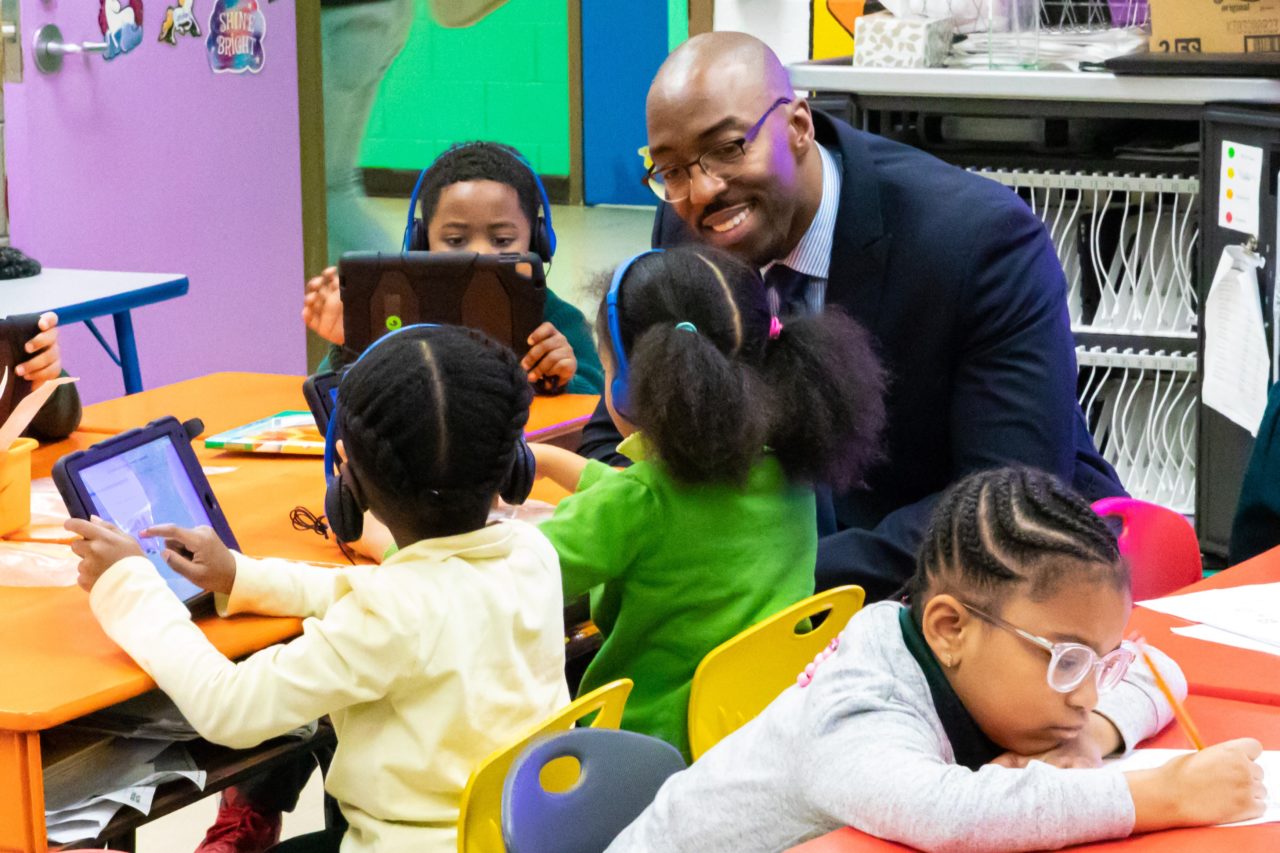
point(619, 774)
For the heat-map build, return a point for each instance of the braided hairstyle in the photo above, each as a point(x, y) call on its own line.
point(710, 401)
point(1009, 528)
point(429, 419)
point(480, 161)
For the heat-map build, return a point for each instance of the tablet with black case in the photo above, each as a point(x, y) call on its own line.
point(321, 393)
point(15, 331)
point(141, 478)
point(501, 295)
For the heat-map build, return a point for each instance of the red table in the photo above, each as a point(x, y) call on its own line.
point(1213, 669)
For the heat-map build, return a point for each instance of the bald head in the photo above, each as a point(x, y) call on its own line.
point(734, 146)
point(711, 65)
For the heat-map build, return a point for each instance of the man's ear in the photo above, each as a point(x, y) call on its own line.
point(800, 127)
point(946, 625)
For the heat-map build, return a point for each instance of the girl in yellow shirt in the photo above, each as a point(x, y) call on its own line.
point(425, 664)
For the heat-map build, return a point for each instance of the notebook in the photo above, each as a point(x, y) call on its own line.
point(285, 432)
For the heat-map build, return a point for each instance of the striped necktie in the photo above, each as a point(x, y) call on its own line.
point(790, 288)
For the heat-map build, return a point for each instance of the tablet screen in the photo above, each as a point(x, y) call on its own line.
point(144, 486)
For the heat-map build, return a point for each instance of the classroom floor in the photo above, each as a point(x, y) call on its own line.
point(591, 240)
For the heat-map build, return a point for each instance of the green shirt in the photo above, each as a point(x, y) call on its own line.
point(676, 570)
point(589, 378)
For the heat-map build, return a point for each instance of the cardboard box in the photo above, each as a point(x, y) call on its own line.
point(885, 41)
point(1215, 26)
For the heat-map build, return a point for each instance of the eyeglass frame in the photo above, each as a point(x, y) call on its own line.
point(1058, 650)
point(741, 142)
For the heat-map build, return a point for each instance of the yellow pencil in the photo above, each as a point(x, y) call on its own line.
point(1179, 710)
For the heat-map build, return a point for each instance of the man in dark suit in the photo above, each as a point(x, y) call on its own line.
point(953, 275)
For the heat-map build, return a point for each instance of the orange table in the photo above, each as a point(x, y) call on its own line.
point(245, 397)
point(1213, 669)
point(1218, 720)
point(56, 664)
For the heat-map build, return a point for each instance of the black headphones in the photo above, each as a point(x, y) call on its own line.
point(344, 505)
point(543, 242)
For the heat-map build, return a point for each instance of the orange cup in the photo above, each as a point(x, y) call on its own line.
point(15, 486)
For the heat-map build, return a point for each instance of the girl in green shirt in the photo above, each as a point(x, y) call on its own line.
point(713, 528)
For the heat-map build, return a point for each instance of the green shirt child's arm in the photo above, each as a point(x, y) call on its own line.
point(589, 378)
point(562, 467)
point(602, 529)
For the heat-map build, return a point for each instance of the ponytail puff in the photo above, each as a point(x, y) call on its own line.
point(828, 388)
point(699, 410)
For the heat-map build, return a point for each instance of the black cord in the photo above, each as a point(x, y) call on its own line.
point(304, 519)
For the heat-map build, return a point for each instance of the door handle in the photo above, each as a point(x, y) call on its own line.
point(49, 48)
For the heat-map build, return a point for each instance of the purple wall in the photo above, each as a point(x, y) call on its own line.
point(152, 163)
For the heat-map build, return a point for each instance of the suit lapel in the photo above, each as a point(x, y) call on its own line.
point(860, 250)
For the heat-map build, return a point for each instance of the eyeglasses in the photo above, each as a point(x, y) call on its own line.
point(1070, 663)
point(672, 183)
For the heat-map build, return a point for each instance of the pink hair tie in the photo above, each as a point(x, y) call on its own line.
point(775, 328)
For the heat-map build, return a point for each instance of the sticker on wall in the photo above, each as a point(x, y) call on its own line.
point(179, 20)
point(236, 31)
point(121, 25)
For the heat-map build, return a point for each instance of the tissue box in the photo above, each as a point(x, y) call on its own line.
point(883, 40)
point(1212, 26)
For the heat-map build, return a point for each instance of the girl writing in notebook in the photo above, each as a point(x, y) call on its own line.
point(973, 719)
point(429, 419)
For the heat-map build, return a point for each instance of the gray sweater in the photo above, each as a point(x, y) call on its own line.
point(862, 746)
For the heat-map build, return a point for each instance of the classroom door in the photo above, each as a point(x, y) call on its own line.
point(171, 143)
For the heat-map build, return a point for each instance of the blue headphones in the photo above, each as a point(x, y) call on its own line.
point(344, 506)
point(618, 387)
point(543, 242)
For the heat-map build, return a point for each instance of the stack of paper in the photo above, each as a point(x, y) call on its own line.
point(86, 790)
point(1242, 616)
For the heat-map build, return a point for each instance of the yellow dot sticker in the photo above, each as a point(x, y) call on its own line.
point(394, 322)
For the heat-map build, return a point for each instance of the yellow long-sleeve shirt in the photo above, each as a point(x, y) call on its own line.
point(426, 664)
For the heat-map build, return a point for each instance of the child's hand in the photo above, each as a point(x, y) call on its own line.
point(550, 360)
point(198, 555)
point(100, 547)
point(322, 307)
point(46, 364)
point(1219, 784)
point(1099, 739)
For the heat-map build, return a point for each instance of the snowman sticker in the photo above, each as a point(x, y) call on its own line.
point(121, 25)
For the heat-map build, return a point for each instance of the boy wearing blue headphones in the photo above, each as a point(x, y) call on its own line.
point(482, 197)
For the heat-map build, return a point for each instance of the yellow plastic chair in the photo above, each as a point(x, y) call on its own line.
point(738, 678)
point(480, 812)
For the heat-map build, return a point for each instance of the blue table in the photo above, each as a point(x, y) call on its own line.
point(78, 296)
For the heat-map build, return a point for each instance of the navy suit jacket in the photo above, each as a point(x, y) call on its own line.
point(960, 286)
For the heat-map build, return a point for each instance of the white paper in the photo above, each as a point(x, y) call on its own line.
point(1210, 634)
point(1147, 759)
point(88, 816)
point(1237, 366)
point(23, 413)
point(781, 24)
point(1239, 187)
point(1251, 611)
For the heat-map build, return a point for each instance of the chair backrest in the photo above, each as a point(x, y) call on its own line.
point(1160, 545)
point(738, 678)
point(480, 811)
point(619, 773)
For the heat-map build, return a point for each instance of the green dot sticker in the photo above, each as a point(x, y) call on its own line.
point(1231, 152)
point(394, 322)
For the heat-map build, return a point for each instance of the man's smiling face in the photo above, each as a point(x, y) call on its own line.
point(758, 209)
